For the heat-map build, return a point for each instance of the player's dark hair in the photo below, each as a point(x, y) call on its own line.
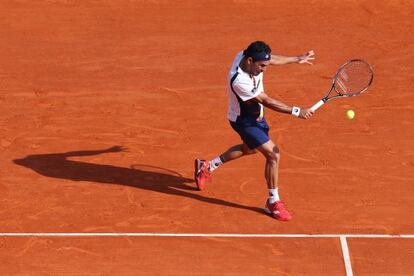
point(257, 47)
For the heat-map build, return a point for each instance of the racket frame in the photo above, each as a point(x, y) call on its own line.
point(339, 94)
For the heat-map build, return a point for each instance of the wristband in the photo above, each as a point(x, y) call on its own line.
point(295, 111)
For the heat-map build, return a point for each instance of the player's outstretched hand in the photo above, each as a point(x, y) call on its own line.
point(306, 113)
point(307, 57)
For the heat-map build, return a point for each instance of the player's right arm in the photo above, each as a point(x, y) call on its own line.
point(281, 60)
point(279, 106)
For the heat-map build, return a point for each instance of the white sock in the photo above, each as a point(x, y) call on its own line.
point(214, 164)
point(273, 195)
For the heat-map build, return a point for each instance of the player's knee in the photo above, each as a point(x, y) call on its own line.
point(273, 155)
point(276, 153)
point(247, 150)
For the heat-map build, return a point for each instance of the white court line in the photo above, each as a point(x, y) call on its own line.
point(342, 237)
point(347, 259)
point(216, 235)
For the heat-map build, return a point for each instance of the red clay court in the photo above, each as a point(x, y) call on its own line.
point(105, 105)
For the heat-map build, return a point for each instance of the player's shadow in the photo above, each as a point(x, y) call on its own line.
point(57, 165)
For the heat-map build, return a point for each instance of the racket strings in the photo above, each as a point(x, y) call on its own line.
point(353, 78)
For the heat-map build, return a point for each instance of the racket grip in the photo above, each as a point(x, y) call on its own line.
point(317, 105)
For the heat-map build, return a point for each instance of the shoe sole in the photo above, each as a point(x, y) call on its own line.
point(269, 213)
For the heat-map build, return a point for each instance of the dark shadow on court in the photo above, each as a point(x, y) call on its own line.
point(145, 177)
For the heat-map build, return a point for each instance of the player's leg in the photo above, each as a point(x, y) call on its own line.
point(272, 155)
point(204, 168)
point(236, 152)
point(247, 133)
point(274, 206)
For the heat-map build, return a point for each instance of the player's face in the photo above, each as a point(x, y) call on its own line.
point(259, 67)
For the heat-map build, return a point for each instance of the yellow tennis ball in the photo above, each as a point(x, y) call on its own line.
point(350, 114)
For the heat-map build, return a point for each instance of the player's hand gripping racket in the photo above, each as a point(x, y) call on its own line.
point(351, 79)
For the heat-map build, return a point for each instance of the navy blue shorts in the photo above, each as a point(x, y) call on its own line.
point(252, 132)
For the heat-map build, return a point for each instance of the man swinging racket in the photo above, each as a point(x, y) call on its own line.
point(245, 114)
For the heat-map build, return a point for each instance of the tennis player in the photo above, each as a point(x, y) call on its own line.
point(245, 114)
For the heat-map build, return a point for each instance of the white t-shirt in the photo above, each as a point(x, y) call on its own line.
point(241, 88)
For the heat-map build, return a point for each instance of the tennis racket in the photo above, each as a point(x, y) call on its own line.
point(351, 79)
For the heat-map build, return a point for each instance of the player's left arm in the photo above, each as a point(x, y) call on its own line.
point(264, 99)
point(281, 60)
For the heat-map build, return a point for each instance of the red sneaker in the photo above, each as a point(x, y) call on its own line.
point(277, 210)
point(201, 173)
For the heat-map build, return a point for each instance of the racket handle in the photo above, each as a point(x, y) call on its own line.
point(317, 105)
